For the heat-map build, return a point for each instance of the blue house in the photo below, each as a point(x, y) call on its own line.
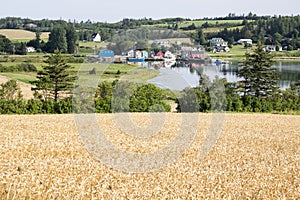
point(106, 54)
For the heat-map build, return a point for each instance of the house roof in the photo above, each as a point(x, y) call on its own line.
point(106, 54)
point(95, 34)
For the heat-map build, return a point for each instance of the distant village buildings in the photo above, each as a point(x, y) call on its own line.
point(106, 55)
point(162, 43)
point(192, 53)
point(30, 26)
point(244, 41)
point(30, 49)
point(219, 45)
point(268, 48)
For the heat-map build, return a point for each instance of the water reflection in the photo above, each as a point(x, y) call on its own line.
point(179, 75)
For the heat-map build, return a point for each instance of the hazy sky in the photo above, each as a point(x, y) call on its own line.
point(113, 10)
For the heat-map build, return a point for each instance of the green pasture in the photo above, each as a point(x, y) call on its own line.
point(104, 71)
point(210, 22)
point(237, 52)
point(25, 77)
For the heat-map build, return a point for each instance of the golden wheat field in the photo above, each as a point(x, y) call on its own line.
point(257, 156)
point(15, 34)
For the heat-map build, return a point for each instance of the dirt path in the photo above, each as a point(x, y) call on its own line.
point(25, 87)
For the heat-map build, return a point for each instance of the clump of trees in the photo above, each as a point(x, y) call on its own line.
point(8, 47)
point(62, 38)
point(127, 96)
point(10, 91)
point(22, 67)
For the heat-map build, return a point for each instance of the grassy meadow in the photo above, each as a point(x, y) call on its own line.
point(256, 157)
point(104, 72)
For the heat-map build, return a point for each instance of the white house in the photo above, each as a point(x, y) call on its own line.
point(218, 42)
point(130, 53)
point(244, 41)
point(272, 48)
point(30, 25)
point(96, 37)
point(30, 49)
point(162, 43)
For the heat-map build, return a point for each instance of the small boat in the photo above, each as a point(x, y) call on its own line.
point(135, 60)
point(218, 62)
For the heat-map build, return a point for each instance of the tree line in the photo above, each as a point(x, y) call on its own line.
point(279, 31)
point(63, 38)
point(275, 30)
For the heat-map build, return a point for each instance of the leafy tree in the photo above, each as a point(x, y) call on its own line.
point(121, 95)
point(10, 91)
point(36, 43)
point(20, 49)
point(57, 40)
point(72, 38)
point(259, 77)
point(204, 83)
point(38, 40)
point(54, 78)
point(103, 97)
point(148, 98)
point(6, 45)
point(200, 37)
point(188, 102)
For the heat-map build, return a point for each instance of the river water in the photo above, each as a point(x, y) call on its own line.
point(181, 75)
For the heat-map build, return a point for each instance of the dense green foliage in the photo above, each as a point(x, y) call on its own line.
point(8, 47)
point(110, 97)
point(10, 91)
point(130, 97)
point(57, 40)
point(198, 100)
point(23, 67)
point(72, 37)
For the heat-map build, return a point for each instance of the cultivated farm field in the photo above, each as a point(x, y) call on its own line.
point(256, 157)
point(16, 34)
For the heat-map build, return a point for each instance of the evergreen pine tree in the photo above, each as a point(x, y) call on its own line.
point(259, 77)
point(72, 38)
point(54, 78)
